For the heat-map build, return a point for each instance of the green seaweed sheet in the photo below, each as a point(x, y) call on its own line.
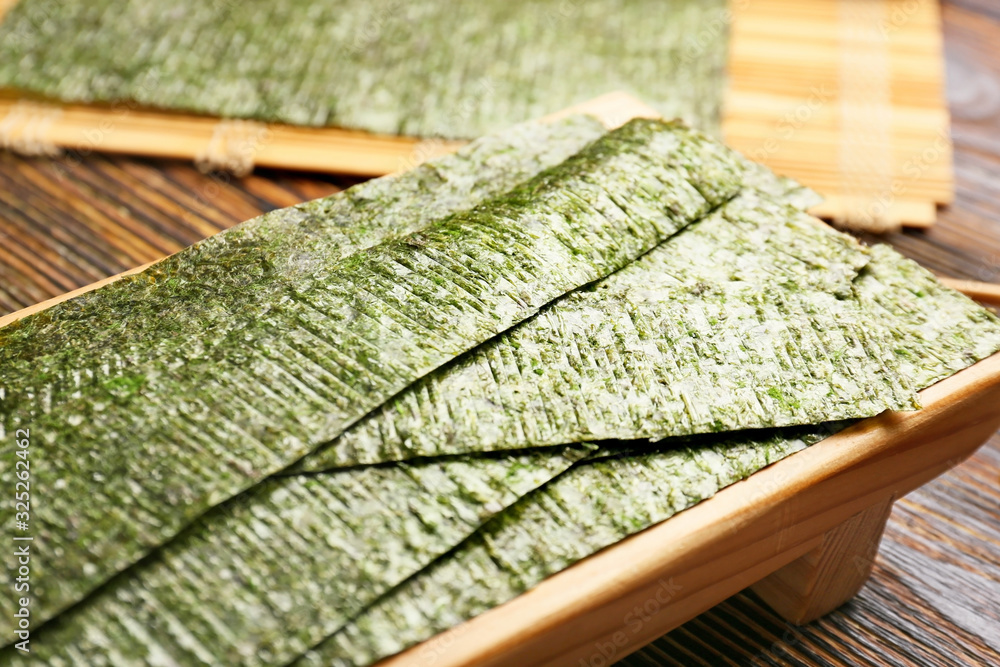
point(937, 331)
point(228, 281)
point(591, 506)
point(84, 632)
point(470, 68)
point(262, 578)
point(746, 319)
point(212, 416)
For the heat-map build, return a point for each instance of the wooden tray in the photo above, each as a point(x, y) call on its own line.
point(803, 532)
point(843, 95)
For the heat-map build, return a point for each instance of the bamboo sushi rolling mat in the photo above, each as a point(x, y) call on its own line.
point(933, 597)
point(844, 95)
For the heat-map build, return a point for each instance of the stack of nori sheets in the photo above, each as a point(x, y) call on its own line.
point(337, 429)
point(418, 68)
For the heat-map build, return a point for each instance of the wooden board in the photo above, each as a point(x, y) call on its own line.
point(844, 95)
point(803, 532)
point(986, 292)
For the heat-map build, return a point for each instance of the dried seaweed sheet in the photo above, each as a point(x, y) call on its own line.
point(260, 579)
point(938, 331)
point(469, 69)
point(78, 628)
point(312, 605)
point(746, 319)
point(219, 286)
point(217, 414)
point(581, 512)
point(84, 633)
point(229, 280)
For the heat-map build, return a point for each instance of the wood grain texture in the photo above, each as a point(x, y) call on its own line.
point(832, 573)
point(933, 595)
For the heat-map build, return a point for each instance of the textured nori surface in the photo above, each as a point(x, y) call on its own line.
point(936, 331)
point(660, 481)
point(226, 282)
point(262, 578)
point(419, 67)
point(220, 286)
point(218, 411)
point(579, 513)
point(746, 319)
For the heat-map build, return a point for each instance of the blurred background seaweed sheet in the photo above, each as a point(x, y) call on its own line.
point(416, 68)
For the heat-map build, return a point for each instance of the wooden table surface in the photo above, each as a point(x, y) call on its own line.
point(934, 597)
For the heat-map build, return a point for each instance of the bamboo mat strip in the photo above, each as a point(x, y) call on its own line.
point(213, 144)
point(846, 96)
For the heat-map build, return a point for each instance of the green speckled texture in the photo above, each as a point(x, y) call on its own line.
point(224, 283)
point(213, 413)
point(418, 67)
point(262, 578)
point(256, 598)
point(586, 509)
point(936, 330)
point(649, 285)
point(746, 319)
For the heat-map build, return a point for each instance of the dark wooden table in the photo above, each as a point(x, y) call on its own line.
point(934, 597)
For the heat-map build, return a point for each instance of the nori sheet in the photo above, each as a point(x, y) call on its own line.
point(228, 281)
point(936, 330)
point(87, 631)
point(419, 67)
point(746, 319)
point(586, 509)
point(260, 579)
point(216, 413)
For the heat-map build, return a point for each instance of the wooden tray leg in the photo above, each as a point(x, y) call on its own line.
point(832, 573)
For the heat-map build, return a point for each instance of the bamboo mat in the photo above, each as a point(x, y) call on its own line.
point(844, 95)
point(847, 96)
